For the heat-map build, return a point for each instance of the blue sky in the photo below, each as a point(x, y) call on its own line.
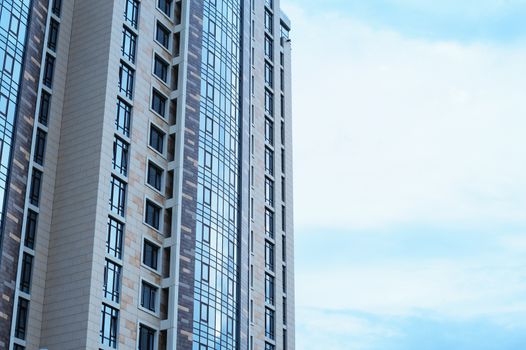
point(410, 174)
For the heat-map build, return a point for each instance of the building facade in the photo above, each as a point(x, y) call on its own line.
point(145, 175)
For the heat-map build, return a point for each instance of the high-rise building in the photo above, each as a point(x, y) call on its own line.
point(145, 175)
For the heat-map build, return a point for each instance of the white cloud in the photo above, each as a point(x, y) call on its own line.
point(390, 130)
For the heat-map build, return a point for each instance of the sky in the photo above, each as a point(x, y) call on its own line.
point(410, 174)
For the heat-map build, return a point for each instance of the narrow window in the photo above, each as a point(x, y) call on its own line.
point(126, 80)
point(269, 75)
point(112, 281)
point(269, 103)
point(155, 175)
point(52, 39)
point(269, 323)
point(160, 69)
point(40, 147)
point(25, 274)
point(269, 256)
point(146, 338)
point(49, 67)
point(36, 184)
point(117, 196)
point(148, 296)
point(269, 289)
point(156, 139)
point(45, 102)
point(120, 156)
point(159, 103)
point(21, 318)
point(150, 255)
point(131, 12)
point(108, 327)
point(269, 131)
point(165, 6)
point(269, 223)
point(269, 161)
point(31, 229)
point(129, 45)
point(114, 239)
point(269, 192)
point(122, 120)
point(153, 215)
point(162, 35)
point(57, 6)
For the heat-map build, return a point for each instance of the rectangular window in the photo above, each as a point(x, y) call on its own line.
point(162, 35)
point(158, 103)
point(269, 3)
point(146, 338)
point(155, 176)
point(122, 120)
point(269, 323)
point(112, 281)
point(31, 229)
point(57, 6)
point(283, 219)
point(129, 45)
point(269, 223)
point(207, 196)
point(269, 255)
point(206, 233)
point(117, 196)
point(160, 69)
point(120, 156)
point(165, 6)
point(284, 310)
point(269, 131)
point(284, 248)
point(108, 326)
point(284, 279)
point(153, 215)
point(25, 274)
point(283, 161)
point(283, 189)
point(45, 102)
point(282, 83)
point(269, 161)
point(156, 139)
point(282, 131)
point(269, 289)
point(126, 79)
point(269, 346)
point(150, 255)
point(114, 239)
point(148, 296)
point(205, 272)
point(269, 75)
point(40, 147)
point(269, 192)
point(21, 318)
point(269, 103)
point(52, 38)
point(18, 347)
point(49, 67)
point(131, 12)
point(268, 21)
point(36, 184)
point(269, 50)
point(204, 312)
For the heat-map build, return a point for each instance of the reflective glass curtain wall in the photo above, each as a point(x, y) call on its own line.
point(216, 297)
point(14, 18)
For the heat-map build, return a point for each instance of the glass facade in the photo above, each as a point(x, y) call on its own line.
point(216, 299)
point(14, 18)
